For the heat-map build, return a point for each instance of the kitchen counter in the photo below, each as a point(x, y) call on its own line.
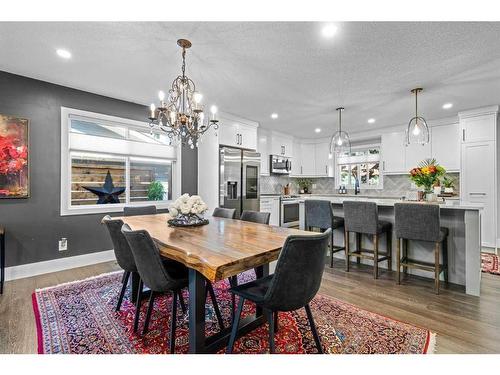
point(463, 220)
point(451, 204)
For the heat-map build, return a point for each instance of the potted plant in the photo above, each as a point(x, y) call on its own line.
point(426, 174)
point(156, 191)
point(304, 185)
point(449, 184)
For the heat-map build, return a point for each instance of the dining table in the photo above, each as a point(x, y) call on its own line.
point(219, 250)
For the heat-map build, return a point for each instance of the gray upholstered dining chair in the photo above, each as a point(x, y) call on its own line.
point(139, 210)
point(123, 254)
point(420, 222)
point(362, 218)
point(319, 214)
point(161, 275)
point(228, 213)
point(293, 285)
point(156, 275)
point(255, 216)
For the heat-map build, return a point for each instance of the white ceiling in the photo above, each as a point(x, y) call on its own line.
point(254, 69)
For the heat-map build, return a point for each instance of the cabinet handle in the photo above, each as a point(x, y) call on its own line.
point(301, 170)
point(241, 139)
point(463, 135)
point(237, 139)
point(383, 165)
point(326, 169)
point(477, 193)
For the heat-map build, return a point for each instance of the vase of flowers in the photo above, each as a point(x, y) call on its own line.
point(449, 184)
point(426, 175)
point(187, 211)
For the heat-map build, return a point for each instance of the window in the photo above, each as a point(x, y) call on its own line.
point(362, 165)
point(109, 162)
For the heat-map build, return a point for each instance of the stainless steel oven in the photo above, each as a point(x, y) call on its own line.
point(280, 164)
point(289, 213)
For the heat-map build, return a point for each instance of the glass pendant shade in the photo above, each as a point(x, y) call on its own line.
point(417, 131)
point(340, 143)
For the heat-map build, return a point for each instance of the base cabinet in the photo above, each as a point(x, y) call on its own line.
point(271, 205)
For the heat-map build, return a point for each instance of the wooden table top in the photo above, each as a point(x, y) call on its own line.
point(222, 248)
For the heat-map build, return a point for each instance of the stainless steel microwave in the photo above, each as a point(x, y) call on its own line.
point(280, 164)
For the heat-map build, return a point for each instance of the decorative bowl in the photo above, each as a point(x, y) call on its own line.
point(189, 220)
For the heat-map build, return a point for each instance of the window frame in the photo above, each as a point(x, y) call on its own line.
point(90, 144)
point(359, 160)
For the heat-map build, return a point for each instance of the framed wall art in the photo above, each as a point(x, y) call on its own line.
point(14, 157)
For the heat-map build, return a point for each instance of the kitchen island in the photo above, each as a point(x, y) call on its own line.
point(464, 241)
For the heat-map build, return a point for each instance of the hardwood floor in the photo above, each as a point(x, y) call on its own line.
point(464, 324)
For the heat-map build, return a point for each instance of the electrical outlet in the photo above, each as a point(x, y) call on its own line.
point(63, 244)
point(314, 186)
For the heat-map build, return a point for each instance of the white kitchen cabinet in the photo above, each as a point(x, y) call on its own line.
point(445, 140)
point(281, 144)
point(414, 153)
point(263, 149)
point(477, 184)
point(271, 204)
point(236, 133)
point(296, 160)
point(393, 153)
point(478, 128)
point(307, 162)
point(322, 163)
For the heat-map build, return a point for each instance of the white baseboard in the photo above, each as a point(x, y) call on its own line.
point(54, 265)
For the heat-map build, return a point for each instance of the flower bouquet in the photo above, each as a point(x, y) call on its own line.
point(427, 174)
point(186, 211)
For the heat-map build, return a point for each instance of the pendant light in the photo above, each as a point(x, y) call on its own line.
point(340, 142)
point(417, 131)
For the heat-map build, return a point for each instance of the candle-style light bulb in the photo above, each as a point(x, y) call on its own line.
point(213, 110)
point(153, 109)
point(161, 96)
point(197, 97)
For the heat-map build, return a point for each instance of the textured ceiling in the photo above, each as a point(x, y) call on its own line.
point(254, 69)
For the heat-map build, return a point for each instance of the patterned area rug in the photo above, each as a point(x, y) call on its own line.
point(79, 317)
point(489, 263)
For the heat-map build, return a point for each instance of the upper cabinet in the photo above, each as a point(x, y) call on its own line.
point(415, 153)
point(478, 126)
point(263, 149)
point(446, 146)
point(322, 160)
point(312, 160)
point(393, 153)
point(281, 144)
point(236, 132)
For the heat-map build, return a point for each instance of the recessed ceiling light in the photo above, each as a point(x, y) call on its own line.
point(65, 54)
point(371, 120)
point(317, 130)
point(447, 105)
point(274, 116)
point(329, 30)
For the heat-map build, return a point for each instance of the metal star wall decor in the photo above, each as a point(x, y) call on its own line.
point(108, 193)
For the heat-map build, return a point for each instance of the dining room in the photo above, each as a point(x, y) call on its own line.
point(276, 184)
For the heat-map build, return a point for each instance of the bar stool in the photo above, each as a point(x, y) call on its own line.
point(420, 222)
point(362, 218)
point(319, 214)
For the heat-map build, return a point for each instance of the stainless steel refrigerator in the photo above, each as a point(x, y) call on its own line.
point(239, 179)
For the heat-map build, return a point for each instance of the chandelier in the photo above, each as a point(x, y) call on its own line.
point(340, 142)
point(181, 116)
point(417, 131)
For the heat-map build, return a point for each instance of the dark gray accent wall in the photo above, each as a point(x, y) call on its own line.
point(34, 225)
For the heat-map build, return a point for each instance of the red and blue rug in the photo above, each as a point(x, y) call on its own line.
point(489, 263)
point(79, 318)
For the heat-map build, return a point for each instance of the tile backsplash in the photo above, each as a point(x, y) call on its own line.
point(394, 185)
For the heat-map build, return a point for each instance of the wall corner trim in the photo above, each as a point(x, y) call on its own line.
point(33, 269)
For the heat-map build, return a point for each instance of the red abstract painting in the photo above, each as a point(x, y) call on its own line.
point(14, 159)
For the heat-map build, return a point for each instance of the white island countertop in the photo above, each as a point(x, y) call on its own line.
point(389, 202)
